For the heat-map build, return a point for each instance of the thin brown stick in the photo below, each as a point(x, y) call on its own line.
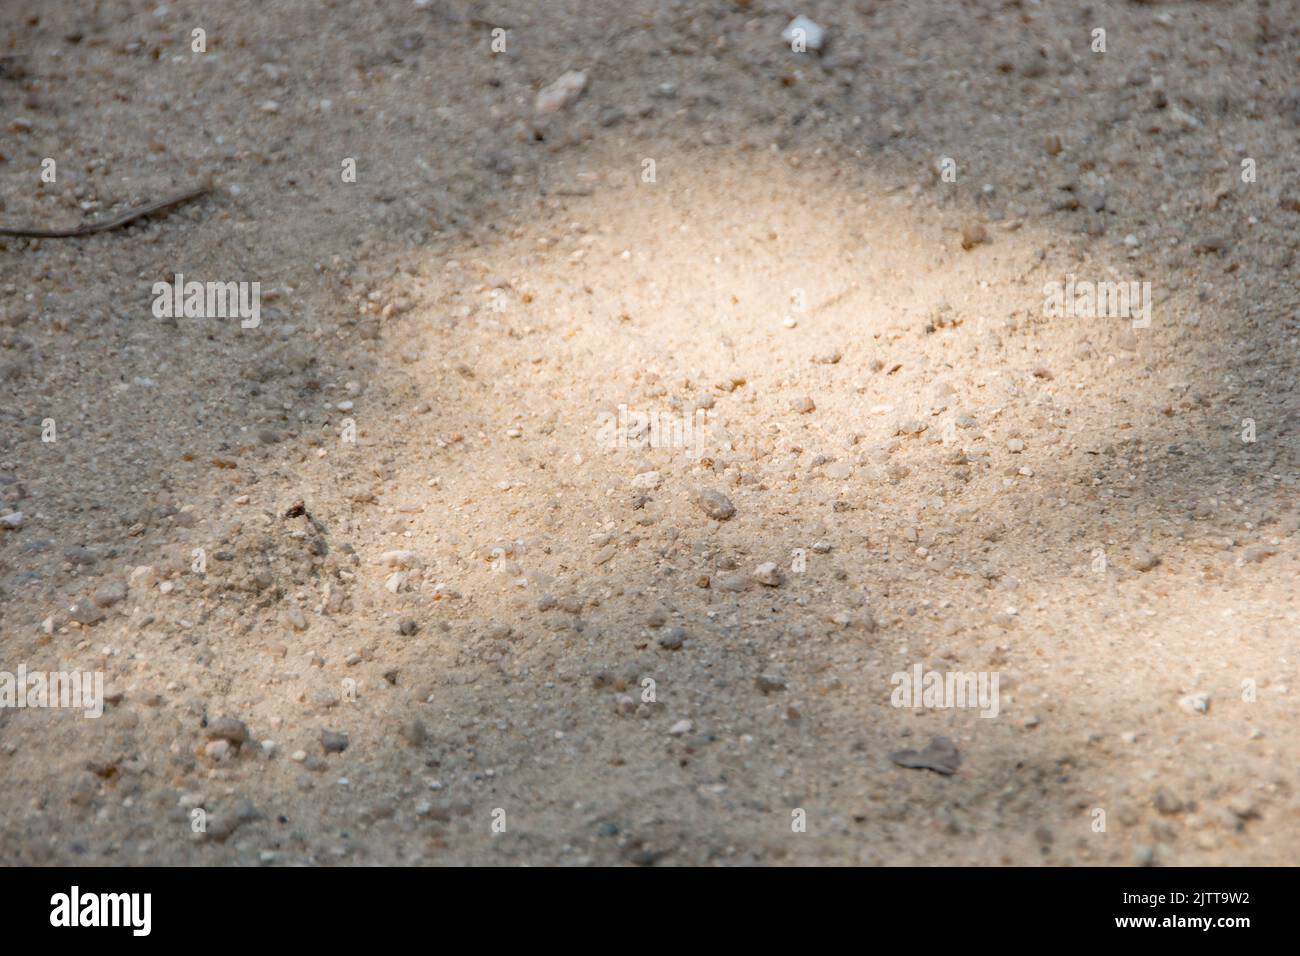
point(117, 221)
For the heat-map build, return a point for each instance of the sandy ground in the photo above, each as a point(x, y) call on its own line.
point(491, 634)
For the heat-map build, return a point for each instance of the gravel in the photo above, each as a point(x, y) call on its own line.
point(439, 340)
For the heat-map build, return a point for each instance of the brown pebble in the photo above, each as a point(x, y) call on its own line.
point(972, 234)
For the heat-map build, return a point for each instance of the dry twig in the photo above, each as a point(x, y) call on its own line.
point(116, 222)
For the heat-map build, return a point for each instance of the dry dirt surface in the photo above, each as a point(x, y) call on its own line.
point(604, 450)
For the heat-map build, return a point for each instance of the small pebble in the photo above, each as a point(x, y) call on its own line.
point(563, 92)
point(672, 638)
point(812, 33)
point(769, 684)
point(972, 234)
point(1144, 559)
point(714, 504)
point(332, 742)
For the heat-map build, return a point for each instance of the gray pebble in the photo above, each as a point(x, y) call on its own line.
point(1144, 559)
point(769, 683)
point(714, 504)
point(85, 612)
point(110, 594)
point(227, 728)
point(672, 638)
